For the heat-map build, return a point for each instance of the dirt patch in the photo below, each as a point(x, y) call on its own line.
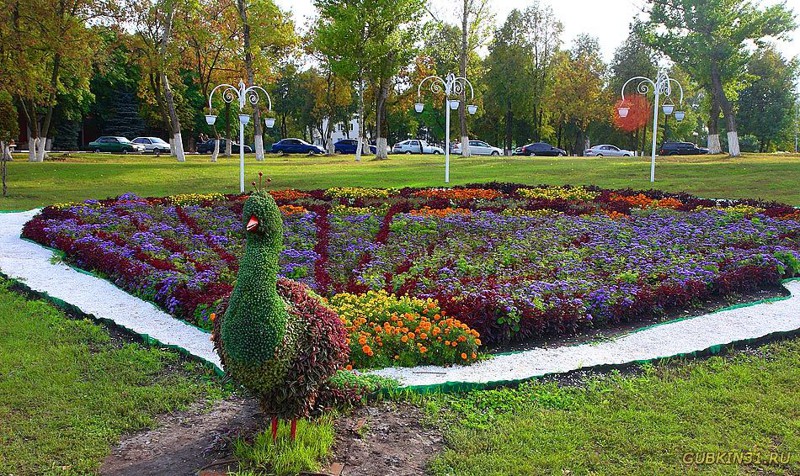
point(387, 439)
point(184, 442)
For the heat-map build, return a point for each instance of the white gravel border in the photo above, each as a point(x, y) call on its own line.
point(31, 264)
point(666, 340)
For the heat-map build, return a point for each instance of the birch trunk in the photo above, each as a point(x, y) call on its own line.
point(33, 150)
point(383, 148)
point(248, 63)
point(329, 146)
point(179, 146)
point(360, 119)
point(462, 109)
point(733, 144)
point(259, 146)
point(714, 146)
point(215, 154)
point(41, 151)
point(4, 157)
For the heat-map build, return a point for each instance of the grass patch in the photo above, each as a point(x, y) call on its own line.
point(84, 176)
point(68, 391)
point(285, 457)
point(659, 422)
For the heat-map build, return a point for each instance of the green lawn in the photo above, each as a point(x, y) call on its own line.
point(67, 391)
point(85, 176)
point(659, 423)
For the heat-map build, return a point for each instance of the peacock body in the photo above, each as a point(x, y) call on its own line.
point(276, 337)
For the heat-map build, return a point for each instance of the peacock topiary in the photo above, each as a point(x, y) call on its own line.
point(276, 337)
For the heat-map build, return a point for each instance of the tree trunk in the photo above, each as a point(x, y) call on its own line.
point(727, 110)
point(175, 123)
point(33, 130)
point(3, 167)
point(360, 147)
point(714, 146)
point(251, 79)
point(462, 109)
point(215, 154)
point(509, 131)
point(380, 120)
point(329, 137)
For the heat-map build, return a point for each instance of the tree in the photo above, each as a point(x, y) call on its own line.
point(369, 39)
point(9, 129)
point(709, 39)
point(272, 32)
point(210, 33)
point(476, 16)
point(543, 38)
point(159, 56)
point(578, 93)
point(633, 58)
point(508, 67)
point(47, 46)
point(766, 106)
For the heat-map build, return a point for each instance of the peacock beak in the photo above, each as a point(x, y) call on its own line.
point(252, 224)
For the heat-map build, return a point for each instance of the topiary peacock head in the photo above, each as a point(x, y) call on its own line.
point(262, 218)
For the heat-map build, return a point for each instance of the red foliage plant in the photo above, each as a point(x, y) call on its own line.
point(638, 113)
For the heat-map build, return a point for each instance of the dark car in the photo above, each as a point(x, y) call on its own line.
point(114, 144)
point(296, 146)
point(207, 147)
point(543, 148)
point(681, 148)
point(349, 146)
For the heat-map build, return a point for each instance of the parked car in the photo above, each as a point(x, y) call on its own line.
point(414, 146)
point(477, 147)
point(543, 148)
point(607, 150)
point(153, 144)
point(681, 148)
point(296, 146)
point(207, 147)
point(349, 146)
point(114, 144)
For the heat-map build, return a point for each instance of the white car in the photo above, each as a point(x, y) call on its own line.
point(607, 150)
point(478, 147)
point(414, 146)
point(153, 145)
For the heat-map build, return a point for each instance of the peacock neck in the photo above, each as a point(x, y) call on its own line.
point(263, 252)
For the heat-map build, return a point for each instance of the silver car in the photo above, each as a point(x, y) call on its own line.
point(153, 145)
point(607, 150)
point(414, 146)
point(478, 147)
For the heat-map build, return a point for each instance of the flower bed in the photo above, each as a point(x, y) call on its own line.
point(509, 261)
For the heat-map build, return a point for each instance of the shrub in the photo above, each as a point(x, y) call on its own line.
point(386, 330)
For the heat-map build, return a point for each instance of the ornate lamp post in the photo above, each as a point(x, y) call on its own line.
point(244, 95)
point(662, 85)
point(452, 85)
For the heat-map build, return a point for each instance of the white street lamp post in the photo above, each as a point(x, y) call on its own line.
point(451, 85)
point(244, 95)
point(662, 85)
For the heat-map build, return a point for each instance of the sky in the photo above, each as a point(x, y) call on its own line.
point(607, 20)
